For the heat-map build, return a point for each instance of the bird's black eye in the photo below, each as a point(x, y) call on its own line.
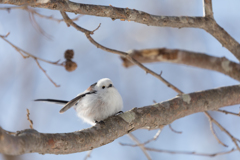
point(103, 87)
point(110, 85)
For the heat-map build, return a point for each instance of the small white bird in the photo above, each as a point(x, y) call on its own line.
point(100, 101)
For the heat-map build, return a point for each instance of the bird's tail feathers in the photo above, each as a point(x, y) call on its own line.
point(56, 101)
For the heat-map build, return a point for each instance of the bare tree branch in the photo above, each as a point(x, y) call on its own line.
point(45, 72)
point(123, 54)
point(207, 8)
point(154, 138)
point(152, 116)
point(88, 155)
point(213, 132)
point(207, 23)
point(33, 21)
point(223, 37)
point(227, 112)
point(28, 118)
point(34, 12)
point(182, 152)
point(25, 54)
point(37, 26)
point(200, 60)
point(235, 140)
point(170, 126)
point(191, 153)
point(141, 146)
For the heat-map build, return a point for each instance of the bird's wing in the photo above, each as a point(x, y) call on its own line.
point(91, 88)
point(74, 101)
point(56, 101)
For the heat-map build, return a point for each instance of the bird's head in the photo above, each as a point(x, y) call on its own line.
point(104, 84)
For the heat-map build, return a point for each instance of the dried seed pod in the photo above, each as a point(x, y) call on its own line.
point(69, 54)
point(70, 65)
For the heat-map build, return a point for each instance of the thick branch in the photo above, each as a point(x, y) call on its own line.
point(112, 12)
point(195, 59)
point(153, 117)
point(207, 23)
point(223, 37)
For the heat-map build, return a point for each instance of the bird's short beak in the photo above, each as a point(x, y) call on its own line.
point(110, 86)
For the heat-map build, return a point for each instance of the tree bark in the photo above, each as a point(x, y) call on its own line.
point(207, 23)
point(200, 60)
point(151, 117)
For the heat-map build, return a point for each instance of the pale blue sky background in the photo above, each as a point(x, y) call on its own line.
point(22, 81)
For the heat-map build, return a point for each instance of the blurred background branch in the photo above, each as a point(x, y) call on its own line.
point(200, 60)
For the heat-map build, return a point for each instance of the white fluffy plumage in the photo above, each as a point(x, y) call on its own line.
point(100, 105)
point(100, 101)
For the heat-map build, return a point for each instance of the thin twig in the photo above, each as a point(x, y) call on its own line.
point(213, 132)
point(141, 146)
point(191, 153)
point(182, 152)
point(28, 118)
point(37, 27)
point(160, 73)
point(88, 155)
point(14, 7)
point(96, 28)
point(227, 112)
point(235, 140)
point(46, 73)
point(33, 21)
point(27, 55)
point(154, 138)
point(10, 133)
point(51, 17)
point(170, 126)
point(124, 54)
point(33, 11)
